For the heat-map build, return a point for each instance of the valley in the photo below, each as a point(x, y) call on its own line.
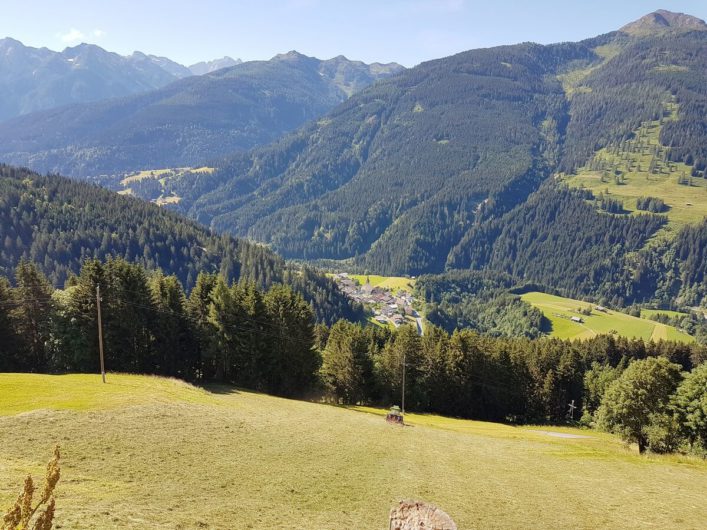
point(289, 292)
point(389, 299)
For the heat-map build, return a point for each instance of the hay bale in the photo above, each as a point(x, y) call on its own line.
point(418, 515)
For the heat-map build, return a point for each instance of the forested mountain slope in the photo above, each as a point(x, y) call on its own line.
point(186, 122)
point(58, 223)
point(406, 176)
point(405, 163)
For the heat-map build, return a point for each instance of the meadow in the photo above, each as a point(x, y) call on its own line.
point(393, 283)
point(147, 452)
point(639, 168)
point(559, 311)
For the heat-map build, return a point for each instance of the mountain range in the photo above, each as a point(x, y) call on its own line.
point(38, 78)
point(477, 161)
point(187, 121)
point(579, 167)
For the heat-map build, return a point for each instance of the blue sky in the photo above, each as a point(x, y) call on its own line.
point(406, 31)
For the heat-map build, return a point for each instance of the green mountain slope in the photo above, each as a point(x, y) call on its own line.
point(400, 169)
point(188, 121)
point(58, 223)
point(401, 178)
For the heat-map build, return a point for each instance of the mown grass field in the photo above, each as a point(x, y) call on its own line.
point(394, 283)
point(143, 452)
point(560, 310)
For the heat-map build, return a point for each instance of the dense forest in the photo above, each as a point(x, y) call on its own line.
point(237, 333)
point(407, 163)
point(480, 300)
point(632, 87)
point(557, 238)
point(267, 340)
point(59, 223)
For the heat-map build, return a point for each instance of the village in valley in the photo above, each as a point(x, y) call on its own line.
point(389, 299)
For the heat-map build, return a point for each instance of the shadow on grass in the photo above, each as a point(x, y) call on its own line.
point(220, 388)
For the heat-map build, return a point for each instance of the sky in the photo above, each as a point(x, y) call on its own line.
point(405, 31)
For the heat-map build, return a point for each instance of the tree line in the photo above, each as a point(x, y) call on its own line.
point(652, 394)
point(237, 333)
point(267, 340)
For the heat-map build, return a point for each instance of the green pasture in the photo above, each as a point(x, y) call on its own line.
point(143, 452)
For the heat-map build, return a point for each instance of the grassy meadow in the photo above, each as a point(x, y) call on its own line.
point(393, 283)
point(146, 452)
point(560, 310)
point(162, 176)
point(638, 178)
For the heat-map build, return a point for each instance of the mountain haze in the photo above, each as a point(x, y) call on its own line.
point(186, 122)
point(33, 79)
point(206, 67)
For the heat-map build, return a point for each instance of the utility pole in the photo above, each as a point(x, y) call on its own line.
point(100, 332)
point(571, 411)
point(403, 397)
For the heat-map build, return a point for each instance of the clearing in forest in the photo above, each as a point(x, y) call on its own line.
point(561, 312)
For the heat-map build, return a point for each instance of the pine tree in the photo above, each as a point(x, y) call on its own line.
point(346, 365)
point(33, 315)
point(293, 362)
point(9, 341)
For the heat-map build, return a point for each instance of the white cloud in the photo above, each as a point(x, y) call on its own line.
point(72, 36)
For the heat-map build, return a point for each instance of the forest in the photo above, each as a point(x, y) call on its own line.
point(405, 162)
point(59, 223)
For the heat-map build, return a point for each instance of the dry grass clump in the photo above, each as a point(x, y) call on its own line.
point(22, 515)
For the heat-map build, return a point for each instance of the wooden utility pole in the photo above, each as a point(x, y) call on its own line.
point(100, 332)
point(403, 397)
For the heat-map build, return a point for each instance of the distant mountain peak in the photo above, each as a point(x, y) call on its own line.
point(290, 56)
point(206, 67)
point(662, 21)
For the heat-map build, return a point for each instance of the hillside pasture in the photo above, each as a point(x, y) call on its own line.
point(559, 311)
point(143, 452)
point(639, 168)
point(393, 283)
